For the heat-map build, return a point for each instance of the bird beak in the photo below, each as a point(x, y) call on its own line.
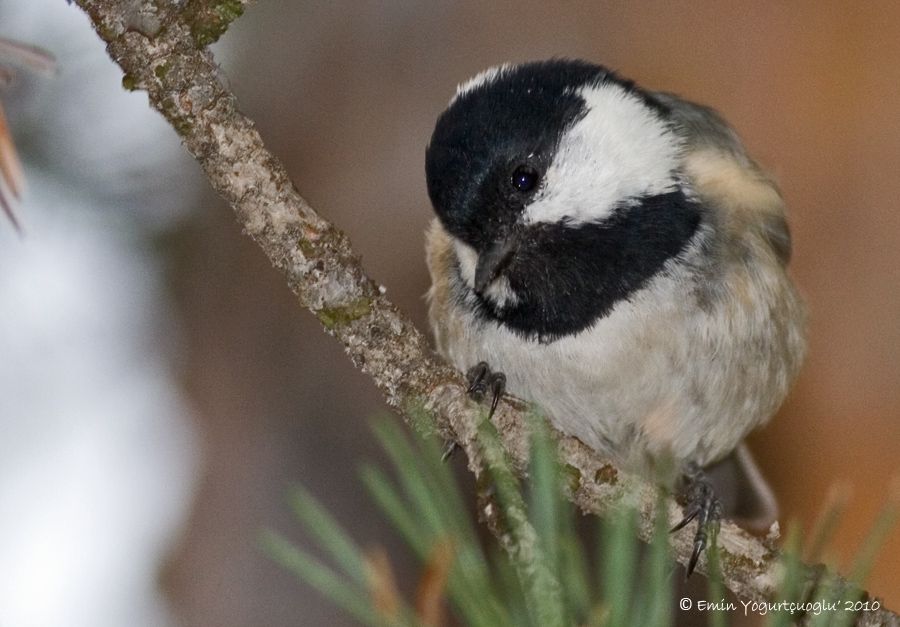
point(494, 260)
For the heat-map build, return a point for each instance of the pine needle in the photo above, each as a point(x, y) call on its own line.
point(792, 581)
point(12, 179)
point(542, 589)
point(827, 521)
point(329, 584)
point(28, 56)
point(432, 585)
point(329, 535)
point(619, 559)
point(382, 585)
point(881, 528)
point(657, 587)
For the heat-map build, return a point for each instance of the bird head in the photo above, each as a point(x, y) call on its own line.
point(560, 184)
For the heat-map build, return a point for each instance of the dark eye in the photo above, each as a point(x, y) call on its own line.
point(525, 178)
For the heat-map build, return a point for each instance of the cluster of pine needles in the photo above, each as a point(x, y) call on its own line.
point(544, 577)
point(12, 180)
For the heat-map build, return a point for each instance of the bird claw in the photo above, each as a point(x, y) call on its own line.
point(481, 379)
point(703, 505)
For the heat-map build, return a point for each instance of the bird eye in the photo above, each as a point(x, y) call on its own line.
point(525, 178)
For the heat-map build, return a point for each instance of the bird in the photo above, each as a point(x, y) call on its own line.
point(614, 256)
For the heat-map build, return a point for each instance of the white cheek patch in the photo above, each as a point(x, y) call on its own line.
point(619, 150)
point(468, 259)
point(498, 292)
point(487, 76)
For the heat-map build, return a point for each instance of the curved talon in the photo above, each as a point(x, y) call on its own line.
point(704, 506)
point(708, 527)
point(688, 517)
point(699, 542)
point(498, 387)
point(481, 379)
point(699, 545)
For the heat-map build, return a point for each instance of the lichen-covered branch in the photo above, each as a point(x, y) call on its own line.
point(160, 48)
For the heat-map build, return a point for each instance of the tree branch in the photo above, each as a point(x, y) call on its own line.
point(160, 47)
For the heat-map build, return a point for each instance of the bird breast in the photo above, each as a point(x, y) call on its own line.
point(674, 371)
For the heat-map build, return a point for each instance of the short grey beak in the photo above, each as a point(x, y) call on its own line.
point(493, 261)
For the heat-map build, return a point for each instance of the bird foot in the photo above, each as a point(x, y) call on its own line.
point(481, 379)
point(700, 503)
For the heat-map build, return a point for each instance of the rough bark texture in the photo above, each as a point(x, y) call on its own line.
point(160, 46)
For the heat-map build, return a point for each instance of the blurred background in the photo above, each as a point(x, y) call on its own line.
point(160, 389)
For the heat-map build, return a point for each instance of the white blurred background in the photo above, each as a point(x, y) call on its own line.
point(159, 386)
point(99, 454)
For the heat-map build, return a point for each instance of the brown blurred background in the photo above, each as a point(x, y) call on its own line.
point(346, 93)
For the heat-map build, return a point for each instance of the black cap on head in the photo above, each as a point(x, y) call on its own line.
point(487, 162)
point(492, 144)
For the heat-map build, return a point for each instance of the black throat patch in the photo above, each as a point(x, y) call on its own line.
point(568, 277)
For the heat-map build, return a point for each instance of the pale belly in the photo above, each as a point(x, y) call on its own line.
point(641, 383)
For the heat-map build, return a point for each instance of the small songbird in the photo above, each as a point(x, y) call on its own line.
point(613, 255)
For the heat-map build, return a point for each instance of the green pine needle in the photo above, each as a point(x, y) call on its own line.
point(827, 522)
point(546, 579)
point(429, 519)
point(329, 584)
point(656, 598)
point(793, 579)
point(881, 528)
point(543, 592)
point(619, 559)
point(328, 534)
point(715, 587)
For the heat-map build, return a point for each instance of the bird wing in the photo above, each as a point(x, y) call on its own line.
point(722, 173)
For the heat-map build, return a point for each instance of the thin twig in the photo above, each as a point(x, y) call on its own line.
point(184, 84)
